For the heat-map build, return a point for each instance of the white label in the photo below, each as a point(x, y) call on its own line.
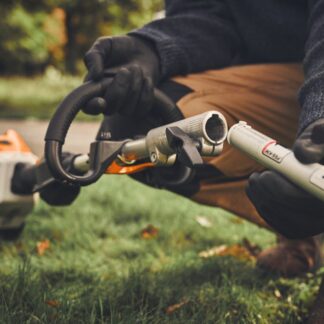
point(275, 152)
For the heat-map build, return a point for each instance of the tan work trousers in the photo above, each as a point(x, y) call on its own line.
point(265, 96)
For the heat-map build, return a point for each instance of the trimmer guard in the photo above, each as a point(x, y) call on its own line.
point(13, 208)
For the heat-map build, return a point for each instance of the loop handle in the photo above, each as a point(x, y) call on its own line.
point(65, 115)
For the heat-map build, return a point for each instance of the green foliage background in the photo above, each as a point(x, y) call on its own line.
point(24, 40)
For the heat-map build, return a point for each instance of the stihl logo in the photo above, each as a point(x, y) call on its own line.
point(275, 152)
point(272, 155)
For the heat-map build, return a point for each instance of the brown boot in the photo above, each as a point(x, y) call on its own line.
point(291, 258)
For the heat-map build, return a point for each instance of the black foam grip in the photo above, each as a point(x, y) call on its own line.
point(65, 114)
point(76, 100)
point(70, 106)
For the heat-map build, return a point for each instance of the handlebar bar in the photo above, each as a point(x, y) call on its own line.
point(65, 115)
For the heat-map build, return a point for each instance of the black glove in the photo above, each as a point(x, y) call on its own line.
point(309, 147)
point(288, 209)
point(135, 64)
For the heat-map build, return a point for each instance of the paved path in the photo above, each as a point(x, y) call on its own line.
point(78, 140)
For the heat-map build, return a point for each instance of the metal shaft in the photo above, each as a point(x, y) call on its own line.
point(267, 152)
point(209, 128)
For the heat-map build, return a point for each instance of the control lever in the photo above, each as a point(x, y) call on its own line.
point(184, 146)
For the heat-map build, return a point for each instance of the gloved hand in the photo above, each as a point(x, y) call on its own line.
point(136, 67)
point(309, 147)
point(290, 210)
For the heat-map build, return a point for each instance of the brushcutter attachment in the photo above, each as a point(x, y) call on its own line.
point(14, 207)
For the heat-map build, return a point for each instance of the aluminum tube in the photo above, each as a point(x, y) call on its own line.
point(210, 126)
point(135, 150)
point(267, 152)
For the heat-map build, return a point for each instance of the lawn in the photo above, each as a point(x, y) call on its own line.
point(101, 268)
point(126, 253)
point(37, 97)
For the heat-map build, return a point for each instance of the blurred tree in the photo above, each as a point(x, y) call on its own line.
point(87, 20)
point(22, 40)
point(129, 14)
point(76, 15)
point(73, 28)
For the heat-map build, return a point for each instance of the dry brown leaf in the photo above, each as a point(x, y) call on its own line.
point(149, 232)
point(42, 246)
point(253, 248)
point(171, 309)
point(237, 251)
point(52, 303)
point(237, 220)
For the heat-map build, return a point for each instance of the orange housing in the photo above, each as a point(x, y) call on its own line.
point(11, 141)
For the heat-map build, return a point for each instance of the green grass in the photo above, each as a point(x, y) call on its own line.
point(100, 270)
point(37, 97)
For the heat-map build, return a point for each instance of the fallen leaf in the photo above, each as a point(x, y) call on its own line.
point(237, 220)
point(171, 309)
point(215, 251)
point(203, 221)
point(253, 248)
point(52, 303)
point(277, 293)
point(42, 246)
point(237, 251)
point(149, 232)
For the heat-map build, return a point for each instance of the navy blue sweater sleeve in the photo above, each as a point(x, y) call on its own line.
point(312, 92)
point(195, 35)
